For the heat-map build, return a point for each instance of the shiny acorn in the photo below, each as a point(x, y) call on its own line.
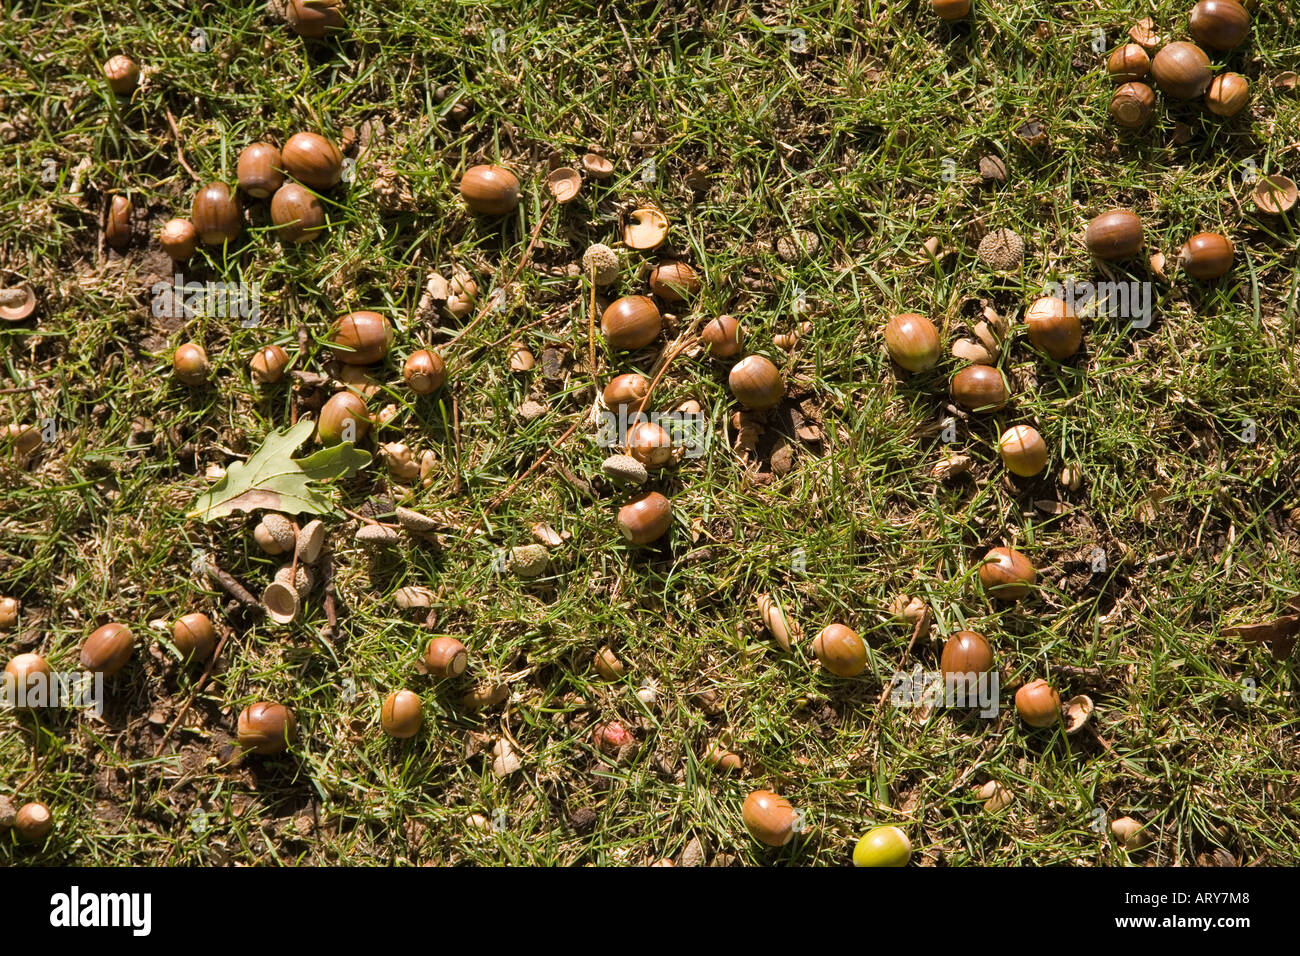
point(312, 160)
point(490, 190)
point(267, 728)
point(883, 847)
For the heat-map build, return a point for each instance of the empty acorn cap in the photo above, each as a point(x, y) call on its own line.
point(301, 581)
point(414, 521)
point(646, 228)
point(625, 469)
point(1078, 710)
point(564, 183)
point(529, 560)
point(311, 539)
point(413, 596)
point(17, 303)
point(376, 536)
point(281, 603)
point(597, 166)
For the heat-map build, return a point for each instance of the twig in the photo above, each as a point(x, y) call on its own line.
point(231, 586)
point(492, 505)
point(455, 435)
point(180, 153)
point(591, 331)
point(331, 597)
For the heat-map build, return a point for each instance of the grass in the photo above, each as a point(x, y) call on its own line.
point(870, 138)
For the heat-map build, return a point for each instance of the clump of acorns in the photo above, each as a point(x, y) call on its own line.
point(1181, 69)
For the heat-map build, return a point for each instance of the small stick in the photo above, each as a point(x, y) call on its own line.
point(520, 480)
point(455, 434)
point(331, 609)
point(180, 153)
point(231, 586)
point(591, 330)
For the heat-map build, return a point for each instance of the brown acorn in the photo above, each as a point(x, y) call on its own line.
point(674, 281)
point(117, 228)
point(402, 714)
point(297, 213)
point(1207, 255)
point(966, 652)
point(1007, 574)
point(107, 649)
point(1219, 24)
point(1115, 234)
point(178, 239)
point(361, 338)
point(1132, 105)
point(722, 336)
point(217, 215)
point(631, 322)
point(756, 383)
point(312, 160)
point(424, 372)
point(194, 636)
point(490, 190)
point(1128, 63)
point(123, 74)
point(267, 728)
point(446, 657)
point(626, 390)
point(314, 18)
point(1182, 70)
point(647, 519)
point(980, 388)
point(1054, 327)
point(259, 170)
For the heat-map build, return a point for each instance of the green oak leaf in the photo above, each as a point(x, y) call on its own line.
point(276, 482)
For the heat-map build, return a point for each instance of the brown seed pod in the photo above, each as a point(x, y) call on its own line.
point(1133, 104)
point(649, 444)
point(217, 215)
point(722, 336)
point(646, 519)
point(980, 388)
point(913, 341)
point(1038, 704)
point(107, 649)
point(1207, 255)
point(117, 228)
point(1182, 70)
point(756, 383)
point(1007, 574)
point(402, 714)
point(446, 657)
point(267, 728)
point(1115, 234)
point(1228, 94)
point(178, 239)
point(1023, 451)
point(490, 190)
point(1129, 62)
point(312, 160)
point(190, 364)
point(1219, 24)
point(33, 822)
point(342, 408)
point(631, 322)
point(260, 170)
point(626, 390)
point(297, 213)
point(674, 281)
point(314, 18)
point(424, 372)
point(123, 74)
point(361, 338)
point(769, 818)
point(966, 652)
point(1053, 327)
point(268, 364)
point(27, 678)
point(840, 650)
point(194, 636)
point(950, 9)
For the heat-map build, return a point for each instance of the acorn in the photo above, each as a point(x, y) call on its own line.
point(980, 388)
point(267, 728)
point(178, 239)
point(1023, 450)
point(1038, 704)
point(402, 714)
point(913, 341)
point(883, 847)
point(966, 652)
point(646, 519)
point(950, 9)
point(107, 649)
point(631, 322)
point(343, 408)
point(490, 190)
point(312, 160)
point(649, 444)
point(1128, 63)
point(1228, 94)
point(840, 650)
point(608, 666)
point(1207, 255)
point(268, 364)
point(756, 383)
point(1182, 70)
point(9, 608)
point(1219, 24)
point(1132, 105)
point(1053, 327)
point(722, 336)
point(1115, 234)
point(297, 213)
point(123, 74)
point(1007, 574)
point(190, 363)
point(361, 338)
point(674, 281)
point(314, 18)
point(274, 534)
point(33, 822)
point(446, 657)
point(117, 228)
point(217, 214)
point(769, 818)
point(424, 372)
point(194, 636)
point(259, 170)
point(625, 391)
point(27, 674)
